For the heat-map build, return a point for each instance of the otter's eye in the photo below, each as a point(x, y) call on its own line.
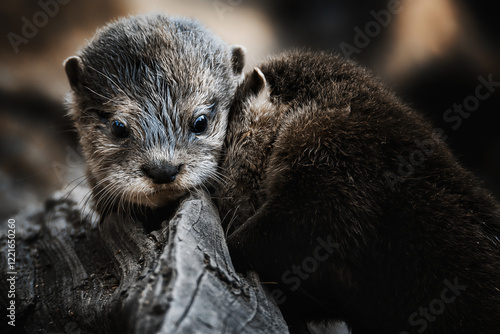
point(200, 124)
point(119, 129)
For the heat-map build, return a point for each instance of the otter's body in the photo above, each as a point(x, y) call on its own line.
point(150, 101)
point(354, 205)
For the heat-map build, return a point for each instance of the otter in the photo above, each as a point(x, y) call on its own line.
point(352, 207)
point(150, 101)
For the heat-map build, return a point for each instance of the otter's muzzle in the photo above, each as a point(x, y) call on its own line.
point(161, 172)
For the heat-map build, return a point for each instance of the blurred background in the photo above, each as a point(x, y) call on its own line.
point(434, 53)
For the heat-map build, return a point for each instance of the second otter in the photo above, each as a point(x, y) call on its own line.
point(315, 204)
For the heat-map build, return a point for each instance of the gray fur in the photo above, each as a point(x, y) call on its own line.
point(155, 75)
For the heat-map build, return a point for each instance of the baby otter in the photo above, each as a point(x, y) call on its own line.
point(150, 101)
point(354, 206)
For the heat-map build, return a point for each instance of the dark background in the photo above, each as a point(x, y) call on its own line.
point(431, 52)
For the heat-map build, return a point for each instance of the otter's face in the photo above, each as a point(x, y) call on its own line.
point(152, 118)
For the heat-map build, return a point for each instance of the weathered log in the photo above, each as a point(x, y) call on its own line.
point(76, 276)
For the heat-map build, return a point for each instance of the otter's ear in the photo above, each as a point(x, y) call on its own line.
point(256, 87)
point(73, 66)
point(237, 59)
point(256, 82)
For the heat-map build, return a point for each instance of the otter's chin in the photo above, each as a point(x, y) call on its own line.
point(158, 198)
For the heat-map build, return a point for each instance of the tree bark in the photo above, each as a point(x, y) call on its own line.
point(74, 276)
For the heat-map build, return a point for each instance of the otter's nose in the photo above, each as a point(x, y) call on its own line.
point(161, 172)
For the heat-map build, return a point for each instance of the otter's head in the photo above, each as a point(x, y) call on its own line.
point(150, 100)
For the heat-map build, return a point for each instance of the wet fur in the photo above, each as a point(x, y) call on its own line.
point(313, 153)
point(155, 74)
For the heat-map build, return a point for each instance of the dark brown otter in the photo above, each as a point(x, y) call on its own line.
point(353, 207)
point(150, 101)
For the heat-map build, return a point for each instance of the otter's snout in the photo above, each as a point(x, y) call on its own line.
point(161, 172)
